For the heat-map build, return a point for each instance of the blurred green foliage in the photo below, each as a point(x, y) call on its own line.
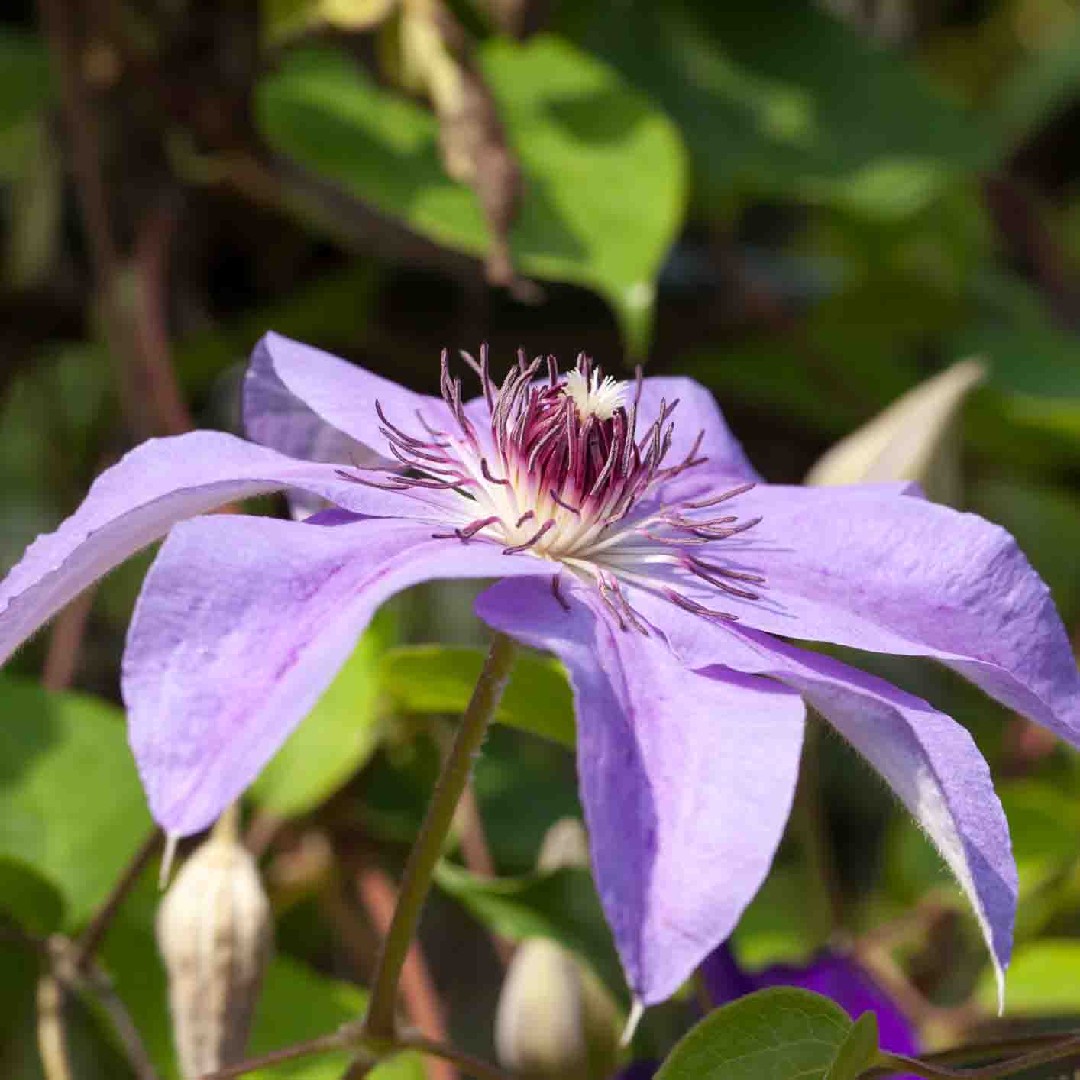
point(809, 207)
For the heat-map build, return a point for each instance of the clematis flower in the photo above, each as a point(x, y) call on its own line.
point(831, 974)
point(632, 538)
point(836, 976)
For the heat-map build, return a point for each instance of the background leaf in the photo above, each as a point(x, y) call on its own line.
point(1042, 979)
point(778, 106)
point(561, 905)
point(27, 77)
point(436, 679)
point(70, 802)
point(334, 740)
point(604, 168)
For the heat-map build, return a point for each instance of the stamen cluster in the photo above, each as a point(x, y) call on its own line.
point(558, 470)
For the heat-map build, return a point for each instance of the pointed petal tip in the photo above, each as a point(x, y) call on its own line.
point(637, 1011)
point(168, 858)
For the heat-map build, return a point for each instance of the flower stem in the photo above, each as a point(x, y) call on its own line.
point(416, 881)
point(1066, 1051)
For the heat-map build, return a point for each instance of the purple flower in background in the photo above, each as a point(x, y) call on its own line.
point(635, 542)
point(836, 976)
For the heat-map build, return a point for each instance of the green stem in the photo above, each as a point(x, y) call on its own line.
point(416, 881)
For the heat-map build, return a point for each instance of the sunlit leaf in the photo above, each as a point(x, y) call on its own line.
point(1042, 980)
point(437, 679)
point(779, 105)
point(334, 740)
point(604, 168)
point(70, 802)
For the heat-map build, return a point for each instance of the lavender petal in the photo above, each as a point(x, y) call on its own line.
point(686, 779)
point(866, 569)
point(242, 624)
point(140, 498)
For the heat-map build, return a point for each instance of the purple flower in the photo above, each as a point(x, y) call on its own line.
point(836, 976)
point(635, 542)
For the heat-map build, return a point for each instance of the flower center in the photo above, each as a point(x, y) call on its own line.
point(559, 470)
point(594, 396)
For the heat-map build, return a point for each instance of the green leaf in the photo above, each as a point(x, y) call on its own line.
point(777, 106)
point(785, 922)
point(858, 1052)
point(27, 80)
point(28, 898)
point(780, 1034)
point(334, 740)
point(1041, 88)
point(1041, 980)
point(604, 169)
point(436, 679)
point(1044, 825)
point(70, 802)
point(1046, 524)
point(561, 906)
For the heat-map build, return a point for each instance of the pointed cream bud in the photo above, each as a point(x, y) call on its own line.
point(556, 1020)
point(214, 930)
point(540, 1022)
point(913, 439)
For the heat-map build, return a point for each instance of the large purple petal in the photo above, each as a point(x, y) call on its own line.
point(303, 401)
point(930, 762)
point(697, 412)
point(140, 498)
point(242, 624)
point(686, 780)
point(866, 569)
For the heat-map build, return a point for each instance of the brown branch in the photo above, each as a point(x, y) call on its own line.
point(74, 972)
point(477, 856)
point(379, 897)
point(468, 1064)
point(154, 370)
point(474, 845)
point(324, 1044)
point(65, 642)
point(134, 332)
point(96, 928)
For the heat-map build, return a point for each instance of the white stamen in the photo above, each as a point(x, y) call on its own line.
point(594, 396)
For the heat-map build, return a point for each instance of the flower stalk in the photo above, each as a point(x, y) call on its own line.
point(379, 1023)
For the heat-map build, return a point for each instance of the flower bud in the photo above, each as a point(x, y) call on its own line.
point(913, 439)
point(214, 930)
point(555, 1018)
point(540, 1024)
